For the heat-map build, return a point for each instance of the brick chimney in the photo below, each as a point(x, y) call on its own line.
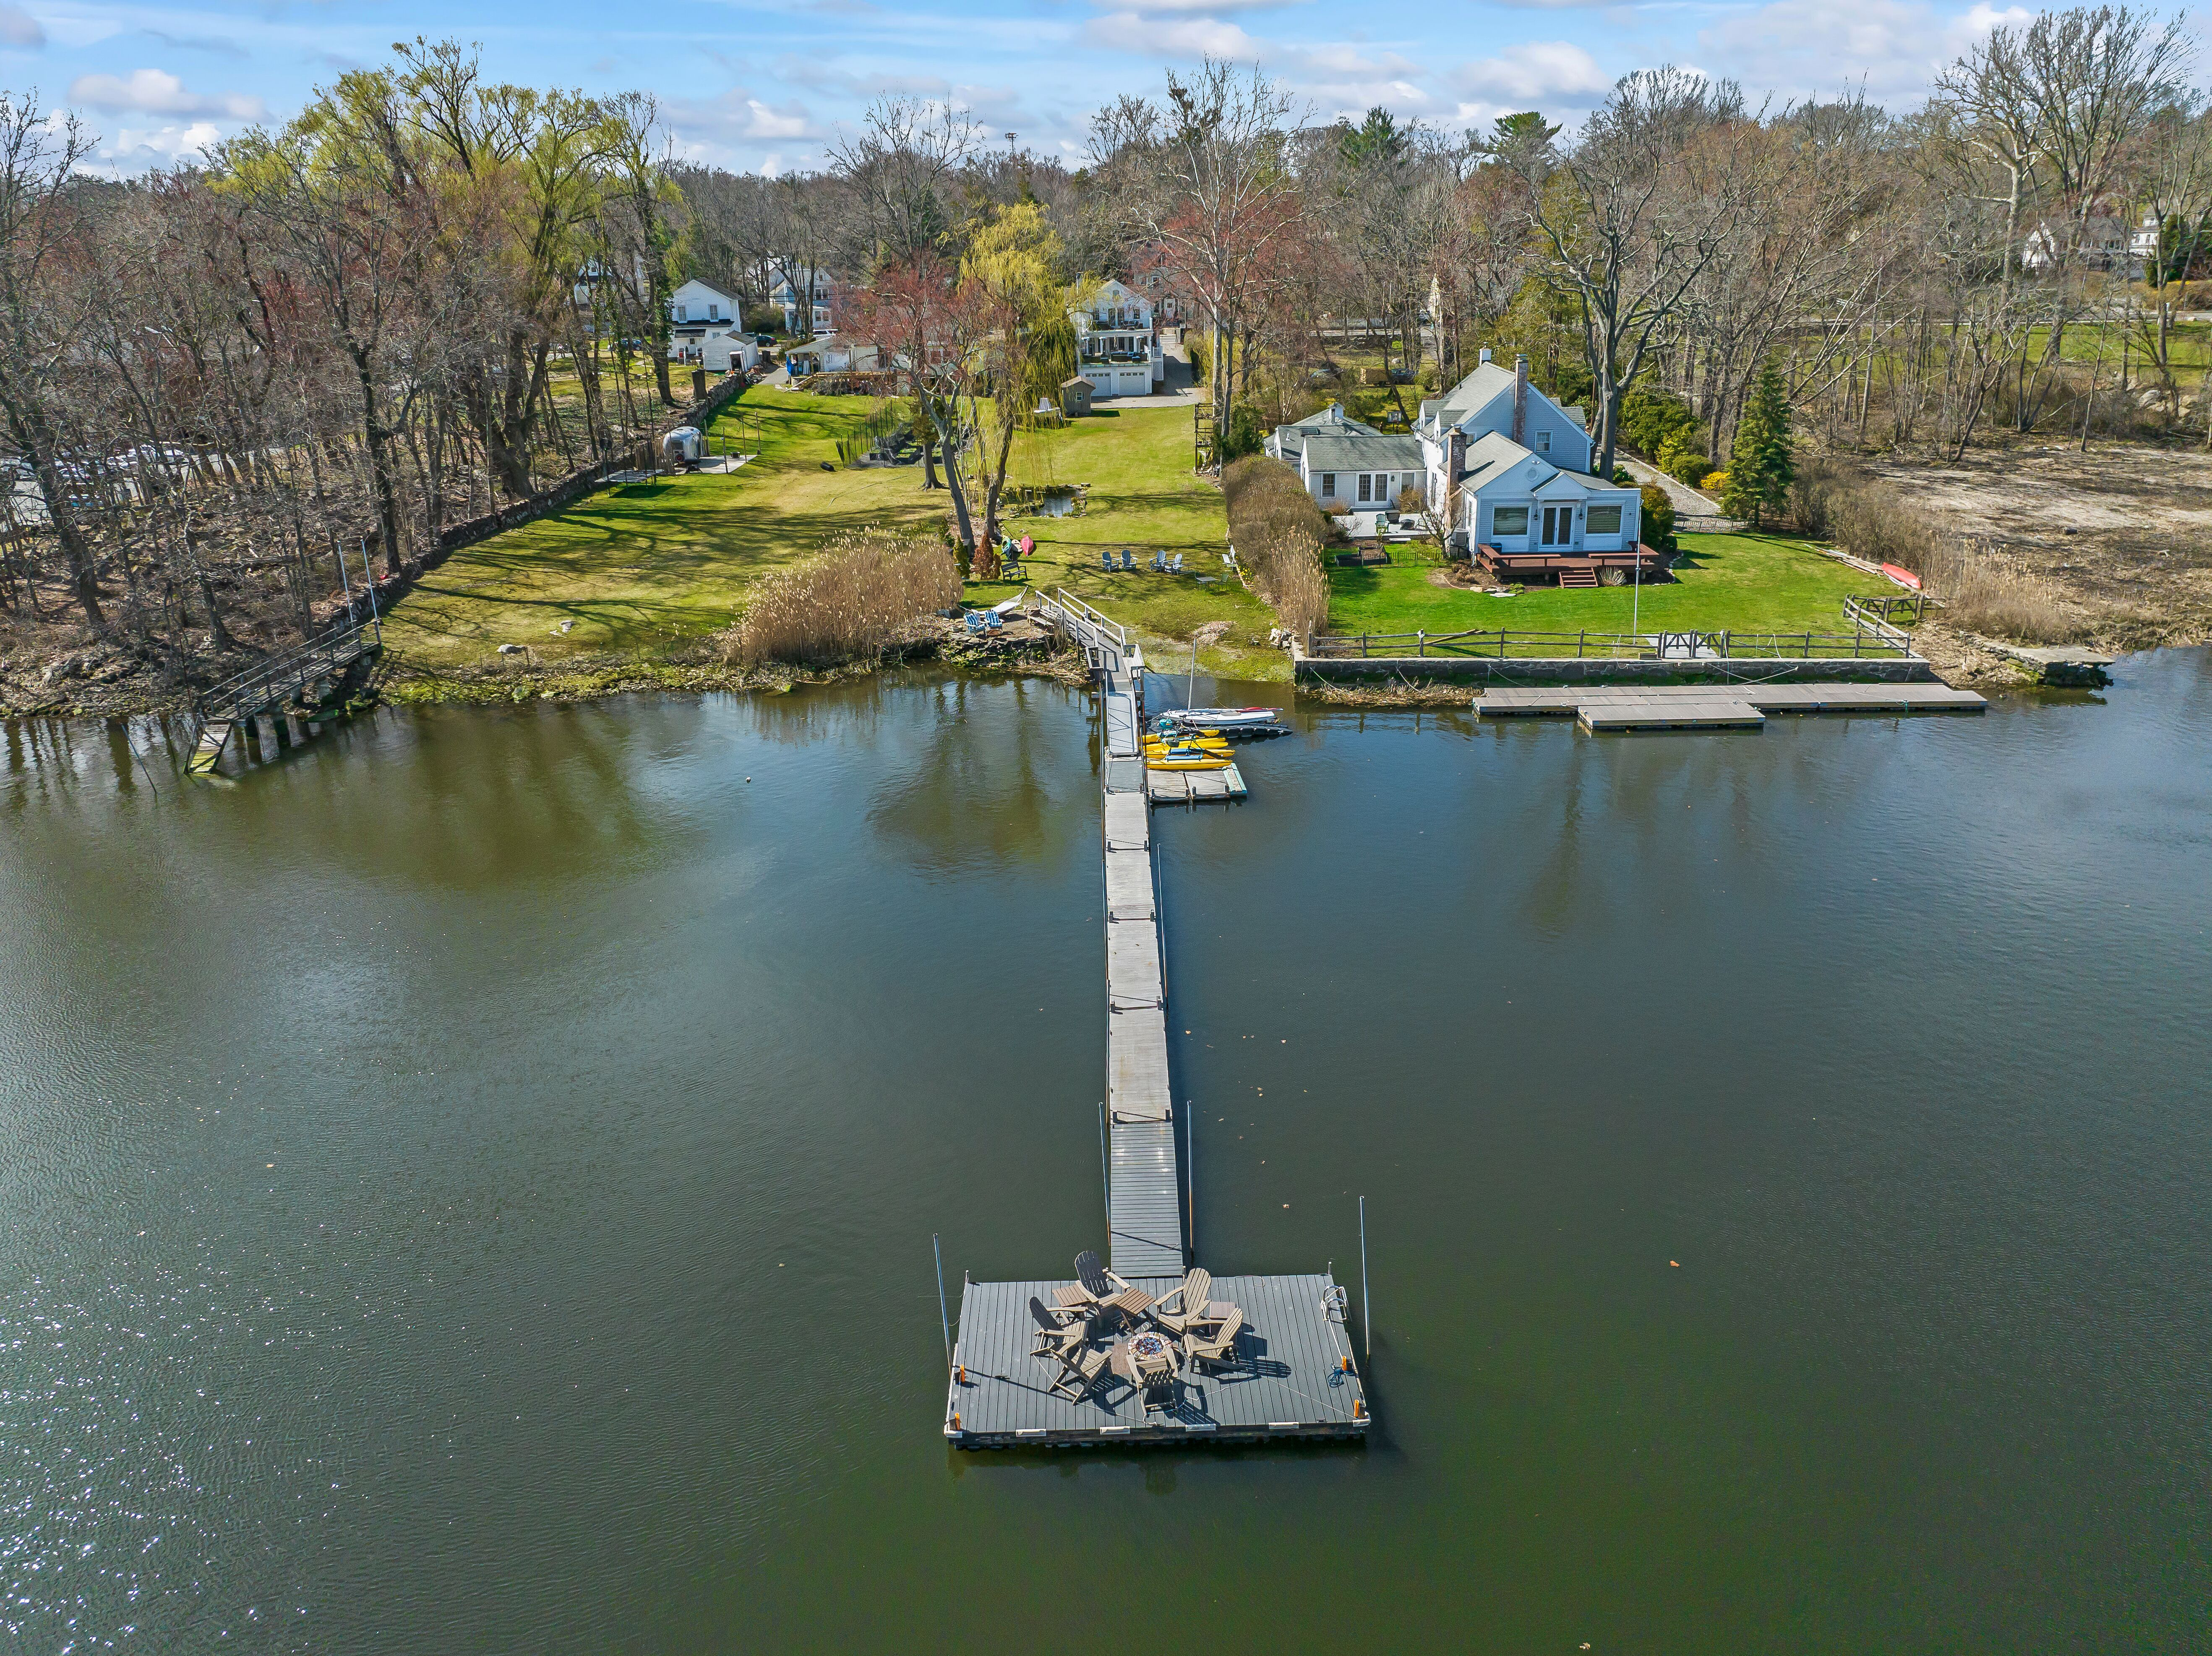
point(1521, 401)
point(1454, 457)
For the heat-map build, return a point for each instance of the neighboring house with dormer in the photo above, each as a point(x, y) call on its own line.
point(1507, 469)
point(703, 330)
point(1116, 348)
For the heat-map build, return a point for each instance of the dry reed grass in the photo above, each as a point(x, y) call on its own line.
point(859, 595)
point(1982, 588)
point(1279, 532)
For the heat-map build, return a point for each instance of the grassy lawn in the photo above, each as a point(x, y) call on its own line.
point(1137, 459)
point(1739, 582)
point(647, 566)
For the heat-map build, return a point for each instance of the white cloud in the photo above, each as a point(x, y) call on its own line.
point(789, 122)
point(1801, 48)
point(1208, 7)
point(156, 91)
point(133, 149)
point(1530, 73)
point(19, 28)
point(1190, 37)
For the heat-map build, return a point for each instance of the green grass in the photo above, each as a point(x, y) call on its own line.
point(1746, 582)
point(646, 568)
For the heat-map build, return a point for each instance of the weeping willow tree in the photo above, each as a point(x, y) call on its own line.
point(1028, 339)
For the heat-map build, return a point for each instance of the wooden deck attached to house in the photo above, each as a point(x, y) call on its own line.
point(1575, 568)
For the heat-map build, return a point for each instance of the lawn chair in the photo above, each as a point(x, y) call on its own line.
point(1106, 561)
point(1087, 1366)
point(974, 618)
point(1159, 563)
point(993, 622)
point(1176, 569)
point(1190, 1304)
point(1217, 1349)
point(1056, 1337)
point(1128, 562)
point(1094, 1277)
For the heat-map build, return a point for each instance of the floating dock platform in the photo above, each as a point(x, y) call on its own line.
point(1714, 706)
point(1193, 787)
point(1291, 1374)
point(1292, 1381)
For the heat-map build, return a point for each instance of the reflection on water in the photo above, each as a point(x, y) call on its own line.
point(471, 1184)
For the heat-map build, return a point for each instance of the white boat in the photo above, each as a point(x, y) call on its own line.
point(1221, 719)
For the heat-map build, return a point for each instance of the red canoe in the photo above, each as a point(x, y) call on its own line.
point(1902, 577)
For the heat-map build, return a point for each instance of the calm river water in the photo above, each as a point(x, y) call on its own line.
point(469, 1186)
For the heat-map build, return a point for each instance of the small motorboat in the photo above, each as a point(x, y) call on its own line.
point(1224, 719)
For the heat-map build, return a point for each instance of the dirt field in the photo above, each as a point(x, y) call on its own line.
point(2124, 531)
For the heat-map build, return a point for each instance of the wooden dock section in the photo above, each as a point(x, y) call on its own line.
point(1291, 1373)
point(1600, 707)
point(1291, 1378)
point(1193, 787)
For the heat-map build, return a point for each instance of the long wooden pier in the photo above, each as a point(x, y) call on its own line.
point(1293, 1375)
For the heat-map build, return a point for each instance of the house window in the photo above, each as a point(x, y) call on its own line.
point(1603, 520)
point(1327, 485)
point(1366, 483)
point(683, 312)
point(1509, 521)
point(1543, 442)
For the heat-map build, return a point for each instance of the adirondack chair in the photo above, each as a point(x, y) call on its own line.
point(1055, 1338)
point(1176, 569)
point(1093, 1275)
point(1190, 1303)
point(1128, 561)
point(1217, 1349)
point(1159, 563)
point(973, 620)
point(1106, 561)
point(1085, 1366)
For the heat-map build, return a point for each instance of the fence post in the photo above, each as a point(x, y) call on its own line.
point(1420, 640)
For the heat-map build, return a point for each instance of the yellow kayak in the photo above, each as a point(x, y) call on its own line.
point(1186, 747)
point(1194, 762)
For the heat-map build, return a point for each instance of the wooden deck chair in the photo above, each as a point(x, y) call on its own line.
point(1085, 1366)
point(1055, 1336)
point(1092, 1275)
point(1190, 1303)
point(1220, 1346)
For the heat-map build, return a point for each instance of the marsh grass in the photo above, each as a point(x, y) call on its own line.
point(856, 597)
point(1278, 532)
point(1982, 588)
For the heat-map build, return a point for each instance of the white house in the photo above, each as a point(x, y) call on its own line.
point(2105, 244)
point(1509, 469)
point(832, 353)
point(1346, 466)
point(1116, 348)
point(694, 301)
point(785, 295)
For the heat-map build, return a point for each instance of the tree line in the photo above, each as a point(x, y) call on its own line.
point(431, 293)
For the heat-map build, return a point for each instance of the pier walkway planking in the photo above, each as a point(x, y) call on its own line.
point(1708, 706)
point(1293, 1375)
point(1290, 1379)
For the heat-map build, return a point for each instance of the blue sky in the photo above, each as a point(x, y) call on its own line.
point(762, 85)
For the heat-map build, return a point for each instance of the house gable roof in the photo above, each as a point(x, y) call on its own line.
point(1362, 451)
point(703, 290)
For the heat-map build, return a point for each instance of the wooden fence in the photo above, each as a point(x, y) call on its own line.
point(1862, 643)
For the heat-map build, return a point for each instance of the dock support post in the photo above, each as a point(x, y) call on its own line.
point(943, 1319)
point(1190, 1188)
point(1366, 1311)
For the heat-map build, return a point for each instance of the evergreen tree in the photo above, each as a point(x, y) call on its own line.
point(1761, 464)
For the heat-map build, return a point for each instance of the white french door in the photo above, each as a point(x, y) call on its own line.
point(1559, 526)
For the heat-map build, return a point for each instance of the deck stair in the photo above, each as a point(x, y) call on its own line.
point(307, 673)
point(1578, 578)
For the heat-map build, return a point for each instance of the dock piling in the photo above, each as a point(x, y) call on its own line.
point(944, 1316)
point(1366, 1311)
